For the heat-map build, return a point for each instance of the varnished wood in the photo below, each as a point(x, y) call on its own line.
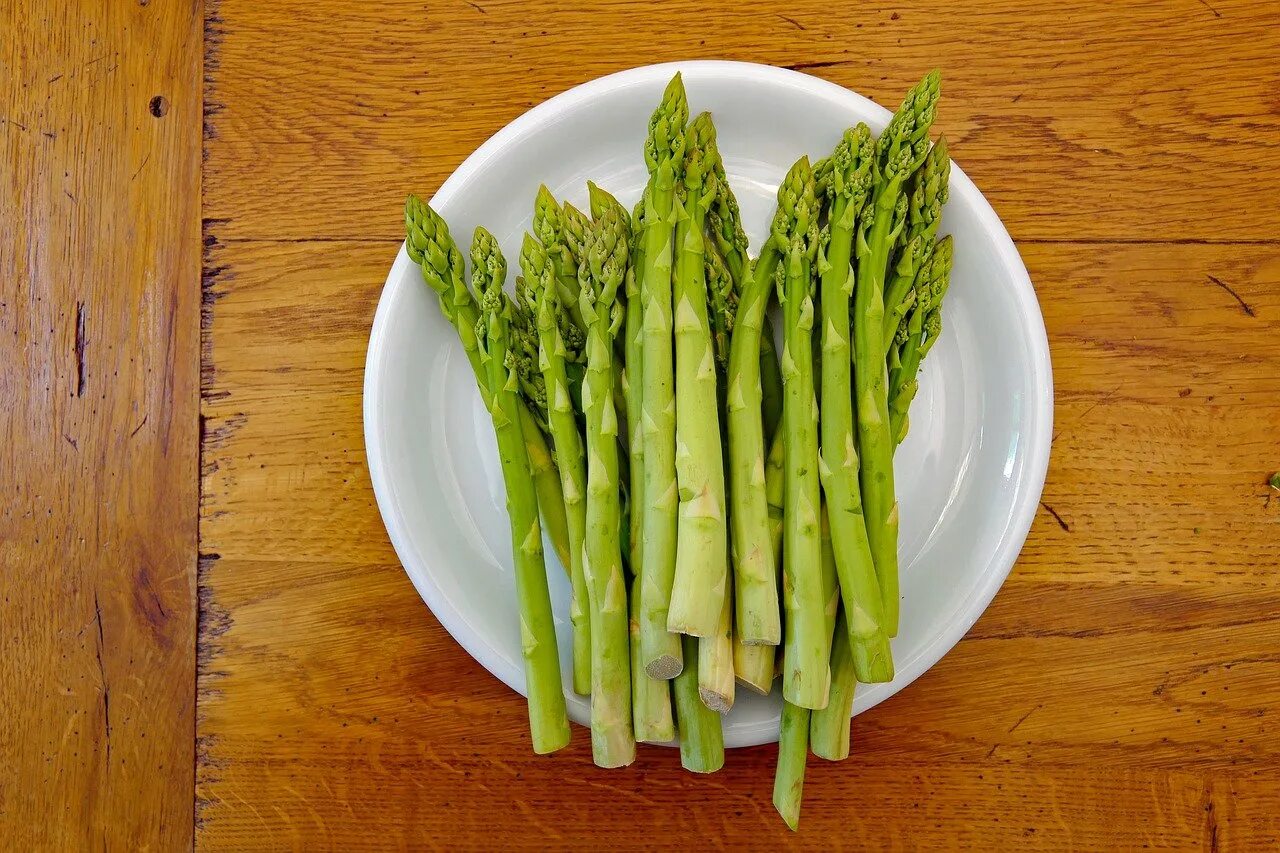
point(1117, 693)
point(99, 306)
point(1080, 120)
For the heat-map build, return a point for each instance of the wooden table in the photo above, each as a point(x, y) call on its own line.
point(199, 208)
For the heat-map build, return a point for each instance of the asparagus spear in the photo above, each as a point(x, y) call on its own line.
point(553, 354)
point(651, 713)
point(633, 358)
point(701, 576)
point(699, 727)
point(929, 193)
point(549, 228)
point(793, 754)
point(650, 697)
point(722, 297)
point(805, 659)
point(755, 576)
point(431, 247)
point(664, 155)
point(919, 331)
point(848, 184)
point(829, 727)
point(825, 724)
point(774, 490)
point(548, 721)
point(899, 151)
point(600, 273)
point(716, 660)
point(770, 381)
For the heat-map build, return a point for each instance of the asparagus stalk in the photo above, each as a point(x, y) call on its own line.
point(805, 659)
point(548, 722)
point(830, 580)
point(754, 667)
point(702, 564)
point(919, 331)
point(561, 247)
point(829, 727)
point(770, 381)
point(553, 354)
point(755, 574)
point(650, 697)
point(793, 754)
point(699, 727)
point(634, 358)
point(664, 155)
point(929, 193)
point(651, 713)
point(847, 190)
point(716, 660)
point(899, 151)
point(431, 247)
point(600, 273)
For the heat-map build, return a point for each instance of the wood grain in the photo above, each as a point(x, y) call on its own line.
point(99, 306)
point(1119, 691)
point(1099, 121)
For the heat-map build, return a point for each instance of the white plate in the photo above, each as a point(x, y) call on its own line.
point(969, 474)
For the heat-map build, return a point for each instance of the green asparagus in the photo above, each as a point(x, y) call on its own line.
point(699, 728)
point(434, 250)
point(700, 587)
point(600, 273)
point(549, 228)
point(829, 727)
point(664, 156)
point(899, 151)
point(548, 722)
point(847, 189)
point(756, 586)
point(793, 754)
point(805, 659)
point(553, 354)
point(651, 713)
point(929, 192)
point(919, 331)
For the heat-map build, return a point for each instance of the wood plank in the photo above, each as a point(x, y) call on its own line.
point(1118, 692)
point(1133, 120)
point(99, 312)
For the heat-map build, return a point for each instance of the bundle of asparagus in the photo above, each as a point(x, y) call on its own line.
point(724, 513)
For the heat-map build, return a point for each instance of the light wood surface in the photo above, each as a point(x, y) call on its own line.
point(99, 379)
point(1118, 694)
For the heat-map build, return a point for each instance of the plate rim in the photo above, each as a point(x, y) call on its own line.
point(1026, 304)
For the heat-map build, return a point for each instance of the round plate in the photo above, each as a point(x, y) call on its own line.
point(969, 474)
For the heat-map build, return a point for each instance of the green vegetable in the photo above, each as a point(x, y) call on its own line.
point(804, 681)
point(793, 754)
point(651, 713)
point(917, 334)
point(553, 356)
point(899, 152)
point(848, 186)
point(755, 573)
point(548, 722)
point(664, 155)
point(549, 227)
point(600, 274)
point(698, 727)
point(434, 250)
point(699, 590)
point(829, 727)
point(929, 192)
